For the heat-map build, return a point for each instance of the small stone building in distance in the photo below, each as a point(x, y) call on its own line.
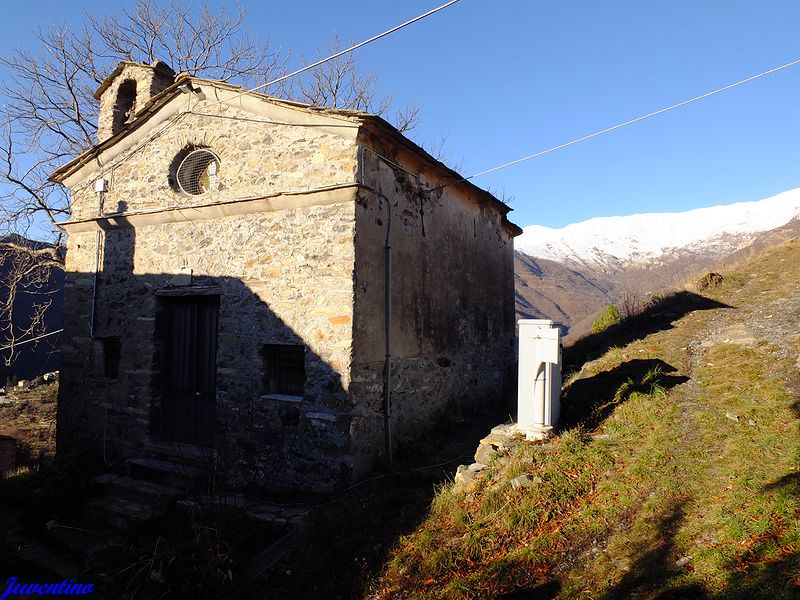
point(252, 278)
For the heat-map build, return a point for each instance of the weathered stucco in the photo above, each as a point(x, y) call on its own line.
point(452, 321)
point(291, 241)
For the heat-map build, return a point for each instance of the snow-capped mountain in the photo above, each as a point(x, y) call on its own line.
point(617, 242)
point(572, 273)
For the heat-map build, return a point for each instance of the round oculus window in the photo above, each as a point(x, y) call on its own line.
point(198, 172)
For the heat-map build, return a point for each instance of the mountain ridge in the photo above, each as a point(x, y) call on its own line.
point(619, 241)
point(572, 273)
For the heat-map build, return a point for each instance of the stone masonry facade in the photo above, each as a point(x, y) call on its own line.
point(291, 241)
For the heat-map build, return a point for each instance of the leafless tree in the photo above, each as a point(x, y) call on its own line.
point(50, 114)
point(342, 83)
point(501, 194)
point(439, 150)
point(632, 303)
point(26, 270)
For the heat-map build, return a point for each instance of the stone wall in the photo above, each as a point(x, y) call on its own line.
point(259, 156)
point(282, 277)
point(452, 325)
point(293, 247)
point(283, 273)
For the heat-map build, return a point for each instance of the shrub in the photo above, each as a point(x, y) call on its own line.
point(610, 316)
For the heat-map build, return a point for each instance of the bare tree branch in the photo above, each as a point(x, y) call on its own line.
point(26, 270)
point(50, 114)
point(438, 150)
point(341, 83)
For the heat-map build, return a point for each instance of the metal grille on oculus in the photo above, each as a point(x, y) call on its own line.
point(197, 173)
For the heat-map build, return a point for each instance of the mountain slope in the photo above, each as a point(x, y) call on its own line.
point(547, 289)
point(616, 242)
point(631, 258)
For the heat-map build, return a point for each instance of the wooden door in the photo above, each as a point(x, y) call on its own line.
point(188, 405)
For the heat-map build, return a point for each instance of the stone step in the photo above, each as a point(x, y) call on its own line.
point(45, 558)
point(261, 563)
point(167, 472)
point(179, 452)
point(280, 516)
point(156, 495)
point(507, 429)
point(264, 512)
point(117, 512)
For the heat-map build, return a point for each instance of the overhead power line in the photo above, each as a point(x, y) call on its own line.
point(350, 49)
point(311, 66)
point(29, 340)
point(629, 122)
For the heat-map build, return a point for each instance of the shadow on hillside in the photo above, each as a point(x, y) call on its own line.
point(525, 309)
point(789, 482)
point(659, 316)
point(544, 591)
point(761, 572)
point(28, 456)
point(589, 401)
point(756, 574)
point(655, 566)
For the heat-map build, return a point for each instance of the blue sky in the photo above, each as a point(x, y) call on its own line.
point(500, 80)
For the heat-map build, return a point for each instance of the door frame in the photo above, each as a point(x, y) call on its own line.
point(198, 404)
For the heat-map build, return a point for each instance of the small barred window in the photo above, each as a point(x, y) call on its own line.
point(284, 369)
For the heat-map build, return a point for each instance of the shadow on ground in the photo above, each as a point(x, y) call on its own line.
point(589, 401)
point(659, 316)
point(348, 538)
point(657, 573)
point(544, 591)
point(656, 566)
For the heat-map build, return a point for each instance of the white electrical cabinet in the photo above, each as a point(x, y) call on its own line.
point(539, 380)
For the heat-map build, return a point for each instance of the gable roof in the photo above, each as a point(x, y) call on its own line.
point(158, 101)
point(356, 117)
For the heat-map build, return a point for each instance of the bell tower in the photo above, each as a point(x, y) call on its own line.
point(125, 92)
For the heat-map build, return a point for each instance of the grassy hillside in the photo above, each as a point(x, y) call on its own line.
point(677, 474)
point(29, 415)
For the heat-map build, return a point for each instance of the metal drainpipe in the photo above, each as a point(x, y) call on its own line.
point(97, 239)
point(387, 314)
point(387, 319)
